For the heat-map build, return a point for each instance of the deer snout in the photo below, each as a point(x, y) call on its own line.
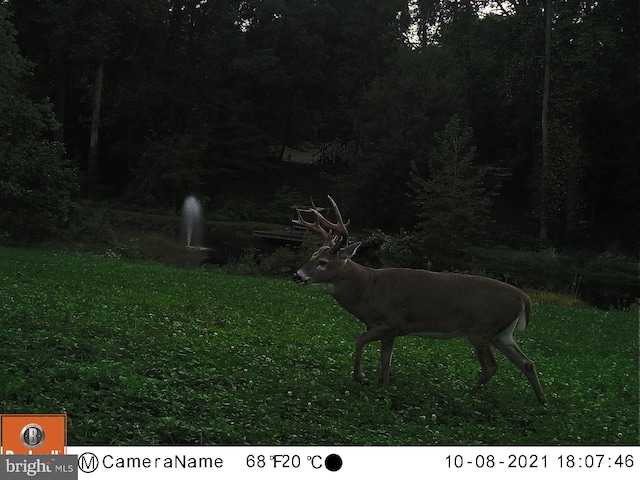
point(300, 277)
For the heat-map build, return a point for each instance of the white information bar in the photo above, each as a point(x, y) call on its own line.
point(449, 463)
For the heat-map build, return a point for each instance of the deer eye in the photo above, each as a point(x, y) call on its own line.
point(323, 262)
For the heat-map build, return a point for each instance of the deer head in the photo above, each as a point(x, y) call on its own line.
point(326, 262)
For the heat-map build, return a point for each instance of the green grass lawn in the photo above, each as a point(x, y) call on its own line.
point(143, 354)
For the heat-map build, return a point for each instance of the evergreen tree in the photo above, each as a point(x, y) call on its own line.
point(453, 204)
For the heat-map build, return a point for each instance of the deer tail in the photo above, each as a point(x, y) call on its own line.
point(525, 314)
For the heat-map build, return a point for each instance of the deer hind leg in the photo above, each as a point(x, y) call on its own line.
point(508, 346)
point(488, 363)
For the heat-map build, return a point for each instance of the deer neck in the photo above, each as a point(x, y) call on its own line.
point(351, 284)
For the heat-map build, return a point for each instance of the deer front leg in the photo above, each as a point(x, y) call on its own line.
point(386, 352)
point(380, 332)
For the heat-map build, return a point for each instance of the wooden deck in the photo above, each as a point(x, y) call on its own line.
point(199, 249)
point(290, 236)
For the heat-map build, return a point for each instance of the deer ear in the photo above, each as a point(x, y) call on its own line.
point(348, 252)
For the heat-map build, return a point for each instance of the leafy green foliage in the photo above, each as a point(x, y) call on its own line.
point(169, 170)
point(37, 183)
point(140, 354)
point(396, 118)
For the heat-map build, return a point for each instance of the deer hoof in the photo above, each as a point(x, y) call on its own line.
point(479, 387)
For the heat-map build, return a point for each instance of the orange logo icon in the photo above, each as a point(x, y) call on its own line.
point(33, 434)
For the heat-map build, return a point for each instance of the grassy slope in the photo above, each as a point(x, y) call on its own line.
point(146, 354)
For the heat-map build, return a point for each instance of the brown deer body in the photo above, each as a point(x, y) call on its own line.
point(393, 302)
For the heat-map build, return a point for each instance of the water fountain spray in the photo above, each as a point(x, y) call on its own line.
point(192, 221)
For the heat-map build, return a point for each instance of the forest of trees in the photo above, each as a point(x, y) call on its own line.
point(530, 108)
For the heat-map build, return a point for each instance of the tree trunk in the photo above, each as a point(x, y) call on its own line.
point(92, 166)
point(61, 98)
point(544, 124)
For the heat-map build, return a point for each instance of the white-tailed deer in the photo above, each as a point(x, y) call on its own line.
point(399, 301)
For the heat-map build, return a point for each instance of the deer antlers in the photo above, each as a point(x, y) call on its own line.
point(324, 227)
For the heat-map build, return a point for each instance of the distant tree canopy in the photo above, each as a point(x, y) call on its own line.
point(156, 99)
